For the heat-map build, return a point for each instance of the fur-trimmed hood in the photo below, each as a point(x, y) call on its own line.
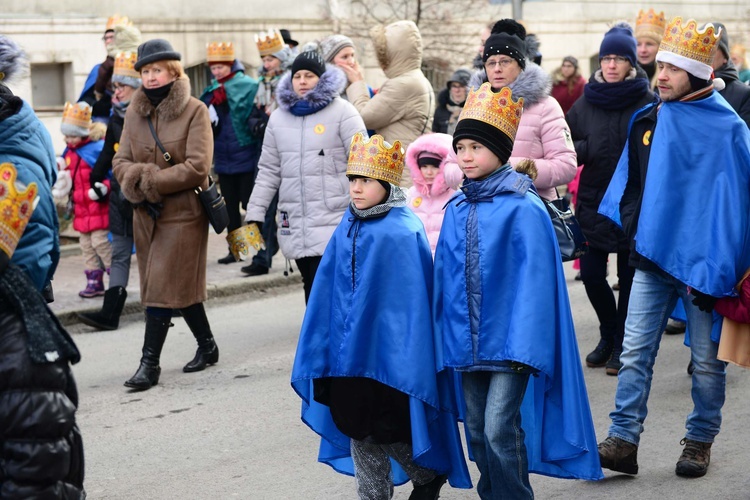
point(170, 108)
point(332, 82)
point(533, 84)
point(441, 144)
point(398, 47)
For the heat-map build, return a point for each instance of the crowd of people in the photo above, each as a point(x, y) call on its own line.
point(418, 220)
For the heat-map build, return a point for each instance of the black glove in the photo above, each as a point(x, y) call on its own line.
point(702, 301)
point(260, 224)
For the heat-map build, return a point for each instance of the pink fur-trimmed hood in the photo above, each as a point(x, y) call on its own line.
point(441, 144)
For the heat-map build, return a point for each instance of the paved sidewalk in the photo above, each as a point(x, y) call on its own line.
point(221, 280)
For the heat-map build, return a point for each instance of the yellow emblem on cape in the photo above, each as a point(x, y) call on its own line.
point(67, 160)
point(319, 128)
point(117, 147)
point(417, 201)
point(647, 138)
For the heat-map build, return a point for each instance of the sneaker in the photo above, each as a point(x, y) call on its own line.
point(613, 365)
point(616, 287)
point(675, 327)
point(599, 356)
point(429, 491)
point(229, 259)
point(694, 459)
point(618, 455)
point(578, 276)
point(254, 270)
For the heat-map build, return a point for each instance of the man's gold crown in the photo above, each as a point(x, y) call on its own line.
point(375, 158)
point(78, 114)
point(688, 41)
point(650, 24)
point(125, 64)
point(494, 108)
point(220, 52)
point(16, 207)
point(117, 20)
point(269, 42)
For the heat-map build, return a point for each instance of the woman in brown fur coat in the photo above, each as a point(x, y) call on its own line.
point(170, 226)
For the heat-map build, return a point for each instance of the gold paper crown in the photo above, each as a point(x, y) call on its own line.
point(688, 41)
point(125, 64)
point(494, 108)
point(650, 24)
point(242, 239)
point(117, 20)
point(16, 207)
point(78, 114)
point(269, 42)
point(220, 52)
point(376, 159)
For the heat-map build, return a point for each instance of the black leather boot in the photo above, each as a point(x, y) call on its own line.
point(600, 355)
point(148, 372)
point(109, 317)
point(208, 351)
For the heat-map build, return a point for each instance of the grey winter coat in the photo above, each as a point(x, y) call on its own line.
point(304, 158)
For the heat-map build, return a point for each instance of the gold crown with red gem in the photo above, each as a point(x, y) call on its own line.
point(650, 24)
point(494, 108)
point(220, 52)
point(125, 64)
point(686, 40)
point(17, 203)
point(269, 42)
point(117, 20)
point(375, 158)
point(78, 114)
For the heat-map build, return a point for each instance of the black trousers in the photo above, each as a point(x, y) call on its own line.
point(308, 266)
point(611, 314)
point(236, 189)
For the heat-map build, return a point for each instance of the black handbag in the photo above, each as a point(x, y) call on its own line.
point(212, 201)
point(570, 238)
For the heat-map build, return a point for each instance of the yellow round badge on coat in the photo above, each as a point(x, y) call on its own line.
point(117, 147)
point(67, 160)
point(647, 138)
point(417, 201)
point(319, 128)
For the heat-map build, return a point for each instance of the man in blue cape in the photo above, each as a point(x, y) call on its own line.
point(366, 365)
point(681, 192)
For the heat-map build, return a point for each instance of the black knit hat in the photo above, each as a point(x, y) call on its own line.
point(507, 38)
point(490, 137)
point(155, 50)
point(311, 61)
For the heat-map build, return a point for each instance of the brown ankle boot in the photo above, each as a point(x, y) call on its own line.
point(618, 455)
point(694, 459)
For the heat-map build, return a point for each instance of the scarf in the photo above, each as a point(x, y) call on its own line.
point(157, 95)
point(396, 198)
point(220, 93)
point(119, 108)
point(304, 108)
point(615, 96)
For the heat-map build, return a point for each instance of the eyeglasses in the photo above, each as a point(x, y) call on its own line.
point(616, 59)
point(503, 63)
point(117, 86)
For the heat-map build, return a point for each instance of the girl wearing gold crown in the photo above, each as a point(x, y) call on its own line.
point(170, 226)
point(366, 357)
point(304, 159)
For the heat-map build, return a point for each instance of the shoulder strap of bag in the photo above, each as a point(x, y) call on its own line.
point(429, 108)
point(167, 157)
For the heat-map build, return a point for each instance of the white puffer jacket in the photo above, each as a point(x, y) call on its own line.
point(304, 158)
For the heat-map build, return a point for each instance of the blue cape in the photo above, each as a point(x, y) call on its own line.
point(700, 154)
point(89, 153)
point(25, 143)
point(369, 316)
point(90, 81)
point(498, 238)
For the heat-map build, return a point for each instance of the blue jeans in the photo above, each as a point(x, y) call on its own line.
point(493, 421)
point(652, 300)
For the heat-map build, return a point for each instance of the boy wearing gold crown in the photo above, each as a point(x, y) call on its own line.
point(365, 363)
point(501, 312)
point(90, 209)
point(692, 146)
point(41, 451)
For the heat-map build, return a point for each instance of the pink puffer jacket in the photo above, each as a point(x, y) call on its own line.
point(425, 200)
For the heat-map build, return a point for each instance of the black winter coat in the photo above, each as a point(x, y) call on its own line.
point(41, 451)
point(736, 93)
point(120, 209)
point(442, 113)
point(599, 136)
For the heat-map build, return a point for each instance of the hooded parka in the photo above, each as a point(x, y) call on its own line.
point(171, 249)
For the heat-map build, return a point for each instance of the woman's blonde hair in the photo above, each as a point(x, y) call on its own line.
point(174, 67)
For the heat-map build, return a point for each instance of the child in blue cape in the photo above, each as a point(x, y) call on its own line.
point(366, 365)
point(502, 312)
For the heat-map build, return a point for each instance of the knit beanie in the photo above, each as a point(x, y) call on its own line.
point(429, 158)
point(507, 38)
point(490, 137)
point(572, 60)
point(155, 50)
point(311, 61)
point(332, 45)
point(76, 119)
point(461, 76)
point(619, 40)
point(723, 42)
